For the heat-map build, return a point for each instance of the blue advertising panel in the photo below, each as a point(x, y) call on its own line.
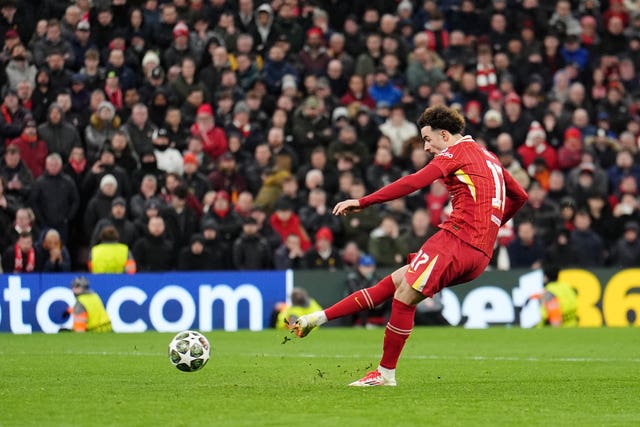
point(167, 302)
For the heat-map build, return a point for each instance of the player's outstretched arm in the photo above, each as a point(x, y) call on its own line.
point(403, 186)
point(347, 206)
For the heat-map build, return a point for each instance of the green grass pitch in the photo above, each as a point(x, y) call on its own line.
point(447, 376)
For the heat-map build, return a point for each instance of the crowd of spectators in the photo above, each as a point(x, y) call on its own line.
point(218, 134)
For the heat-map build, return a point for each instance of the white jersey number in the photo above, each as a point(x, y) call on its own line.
point(498, 180)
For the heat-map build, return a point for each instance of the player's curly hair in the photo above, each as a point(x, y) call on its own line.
point(441, 117)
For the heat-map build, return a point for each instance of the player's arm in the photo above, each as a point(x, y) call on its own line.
point(515, 197)
point(403, 186)
point(399, 188)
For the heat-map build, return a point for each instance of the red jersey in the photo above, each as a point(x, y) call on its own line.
point(484, 195)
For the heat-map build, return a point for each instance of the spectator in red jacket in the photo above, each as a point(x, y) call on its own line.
point(285, 221)
point(570, 154)
point(214, 141)
point(535, 146)
point(33, 150)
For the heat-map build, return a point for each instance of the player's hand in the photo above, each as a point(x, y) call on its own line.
point(347, 206)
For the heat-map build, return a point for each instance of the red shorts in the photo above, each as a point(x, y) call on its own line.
point(444, 260)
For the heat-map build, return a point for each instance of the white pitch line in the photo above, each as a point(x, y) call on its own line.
point(351, 356)
point(471, 358)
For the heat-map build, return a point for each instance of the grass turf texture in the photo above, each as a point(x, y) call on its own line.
point(448, 376)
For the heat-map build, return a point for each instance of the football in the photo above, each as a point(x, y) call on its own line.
point(189, 351)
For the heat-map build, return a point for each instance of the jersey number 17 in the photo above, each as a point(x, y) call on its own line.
point(498, 180)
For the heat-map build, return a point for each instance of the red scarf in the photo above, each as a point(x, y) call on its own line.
point(78, 166)
point(27, 138)
point(221, 212)
point(115, 97)
point(7, 114)
point(18, 266)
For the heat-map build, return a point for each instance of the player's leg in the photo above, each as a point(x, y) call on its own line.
point(398, 330)
point(363, 299)
point(427, 273)
point(444, 260)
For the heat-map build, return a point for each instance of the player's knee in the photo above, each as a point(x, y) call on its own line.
point(398, 275)
point(406, 294)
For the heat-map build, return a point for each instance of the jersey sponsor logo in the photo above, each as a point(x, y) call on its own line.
point(445, 153)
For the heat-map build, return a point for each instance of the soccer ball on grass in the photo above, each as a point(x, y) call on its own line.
point(189, 351)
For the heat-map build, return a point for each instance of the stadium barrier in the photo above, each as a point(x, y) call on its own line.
point(166, 302)
point(606, 297)
point(174, 301)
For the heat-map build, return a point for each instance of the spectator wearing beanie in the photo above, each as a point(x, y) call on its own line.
point(179, 48)
point(214, 141)
point(103, 124)
point(33, 150)
point(248, 131)
point(570, 154)
point(515, 121)
point(310, 127)
point(117, 218)
point(169, 159)
point(323, 255)
point(625, 252)
point(263, 33)
point(195, 180)
point(314, 57)
point(536, 146)
point(99, 206)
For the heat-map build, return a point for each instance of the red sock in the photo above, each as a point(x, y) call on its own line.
point(364, 299)
point(397, 332)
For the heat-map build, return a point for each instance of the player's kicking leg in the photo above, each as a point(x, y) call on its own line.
point(306, 323)
point(364, 299)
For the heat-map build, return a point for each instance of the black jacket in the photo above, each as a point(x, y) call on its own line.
point(54, 199)
point(251, 252)
point(188, 261)
point(154, 253)
point(60, 137)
